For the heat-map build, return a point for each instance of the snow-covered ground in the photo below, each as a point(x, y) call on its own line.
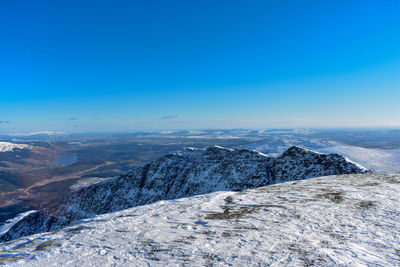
point(347, 220)
point(7, 146)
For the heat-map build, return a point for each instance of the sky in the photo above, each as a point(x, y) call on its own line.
point(79, 66)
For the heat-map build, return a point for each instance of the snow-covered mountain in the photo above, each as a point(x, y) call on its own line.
point(343, 220)
point(182, 174)
point(39, 133)
point(7, 146)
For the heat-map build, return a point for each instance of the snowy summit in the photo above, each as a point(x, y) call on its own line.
point(7, 146)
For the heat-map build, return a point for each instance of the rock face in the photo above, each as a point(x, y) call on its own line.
point(182, 174)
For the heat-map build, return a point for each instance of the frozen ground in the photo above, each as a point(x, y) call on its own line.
point(347, 220)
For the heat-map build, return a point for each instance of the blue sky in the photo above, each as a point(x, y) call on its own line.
point(145, 65)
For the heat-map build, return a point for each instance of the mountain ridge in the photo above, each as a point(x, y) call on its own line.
point(183, 174)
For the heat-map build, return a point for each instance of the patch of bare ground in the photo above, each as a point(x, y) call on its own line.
point(398, 252)
point(336, 197)
point(45, 245)
point(151, 248)
point(22, 245)
point(370, 184)
point(211, 258)
point(226, 234)
point(245, 227)
point(209, 233)
point(11, 258)
point(307, 258)
point(185, 240)
point(122, 231)
point(228, 200)
point(393, 180)
point(366, 204)
point(233, 212)
point(39, 246)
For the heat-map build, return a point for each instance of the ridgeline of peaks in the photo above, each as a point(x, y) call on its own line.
point(182, 174)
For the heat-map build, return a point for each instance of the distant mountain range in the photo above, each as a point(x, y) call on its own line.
point(182, 174)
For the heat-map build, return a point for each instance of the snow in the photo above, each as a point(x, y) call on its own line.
point(7, 146)
point(4, 227)
point(39, 133)
point(345, 220)
point(87, 182)
point(224, 148)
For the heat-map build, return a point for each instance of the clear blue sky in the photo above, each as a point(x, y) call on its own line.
point(139, 65)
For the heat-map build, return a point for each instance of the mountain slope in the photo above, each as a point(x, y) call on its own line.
point(344, 220)
point(183, 174)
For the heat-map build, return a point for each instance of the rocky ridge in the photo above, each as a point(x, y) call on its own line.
point(182, 174)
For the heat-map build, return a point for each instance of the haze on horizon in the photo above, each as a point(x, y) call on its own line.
point(79, 66)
